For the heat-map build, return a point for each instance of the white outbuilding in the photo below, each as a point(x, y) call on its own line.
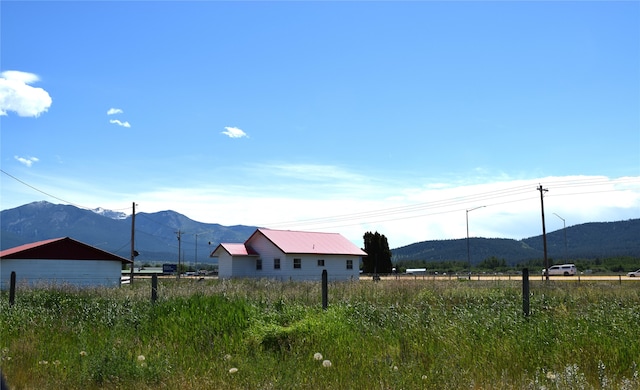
point(60, 262)
point(290, 255)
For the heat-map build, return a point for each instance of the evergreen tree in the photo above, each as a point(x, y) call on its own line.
point(378, 257)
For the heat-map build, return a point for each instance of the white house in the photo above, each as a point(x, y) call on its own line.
point(60, 261)
point(290, 255)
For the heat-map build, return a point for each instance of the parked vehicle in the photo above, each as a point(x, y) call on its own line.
point(564, 269)
point(634, 274)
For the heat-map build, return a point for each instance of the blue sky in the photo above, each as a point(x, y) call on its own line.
point(345, 117)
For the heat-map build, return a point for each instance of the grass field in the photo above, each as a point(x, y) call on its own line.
point(262, 334)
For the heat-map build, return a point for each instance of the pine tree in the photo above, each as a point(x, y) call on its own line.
point(378, 259)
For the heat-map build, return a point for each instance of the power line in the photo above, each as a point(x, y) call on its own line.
point(417, 210)
point(400, 212)
point(43, 192)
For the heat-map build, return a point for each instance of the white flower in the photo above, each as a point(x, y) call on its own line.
point(317, 356)
point(141, 358)
point(395, 368)
point(83, 353)
point(326, 363)
point(424, 377)
point(227, 357)
point(233, 370)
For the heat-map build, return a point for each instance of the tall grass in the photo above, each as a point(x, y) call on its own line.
point(262, 334)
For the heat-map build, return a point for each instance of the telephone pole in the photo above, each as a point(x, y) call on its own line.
point(179, 250)
point(544, 233)
point(133, 245)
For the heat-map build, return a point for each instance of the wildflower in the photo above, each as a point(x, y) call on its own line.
point(326, 363)
point(551, 375)
point(317, 356)
point(233, 370)
point(424, 377)
point(395, 368)
point(141, 358)
point(43, 362)
point(83, 353)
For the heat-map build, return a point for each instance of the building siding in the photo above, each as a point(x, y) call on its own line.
point(45, 272)
point(225, 266)
point(243, 267)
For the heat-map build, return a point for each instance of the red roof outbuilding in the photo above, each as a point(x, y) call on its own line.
point(64, 248)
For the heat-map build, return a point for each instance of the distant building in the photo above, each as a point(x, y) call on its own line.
point(60, 261)
point(290, 255)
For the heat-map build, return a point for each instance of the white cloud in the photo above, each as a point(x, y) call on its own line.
point(113, 111)
point(119, 123)
point(351, 203)
point(18, 96)
point(28, 161)
point(234, 132)
point(408, 215)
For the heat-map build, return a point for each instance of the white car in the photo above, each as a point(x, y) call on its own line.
point(634, 274)
point(564, 269)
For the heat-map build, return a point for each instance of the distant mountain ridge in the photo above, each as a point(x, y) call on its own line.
point(155, 233)
point(586, 241)
point(156, 237)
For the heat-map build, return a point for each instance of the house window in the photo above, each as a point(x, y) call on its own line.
point(276, 263)
point(349, 264)
point(297, 263)
point(258, 264)
point(320, 262)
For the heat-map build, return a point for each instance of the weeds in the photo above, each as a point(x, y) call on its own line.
point(264, 334)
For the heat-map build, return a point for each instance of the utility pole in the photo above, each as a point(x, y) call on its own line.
point(179, 250)
point(133, 245)
point(544, 233)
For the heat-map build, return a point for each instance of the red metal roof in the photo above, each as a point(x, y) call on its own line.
point(237, 250)
point(64, 248)
point(310, 242)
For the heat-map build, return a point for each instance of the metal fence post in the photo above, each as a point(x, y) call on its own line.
point(12, 289)
point(525, 291)
point(154, 288)
point(325, 294)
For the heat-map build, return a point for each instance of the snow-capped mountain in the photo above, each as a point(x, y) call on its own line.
point(110, 213)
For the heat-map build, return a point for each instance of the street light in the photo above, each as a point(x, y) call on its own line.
point(195, 266)
point(468, 251)
point(564, 229)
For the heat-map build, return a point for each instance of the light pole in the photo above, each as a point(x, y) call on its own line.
point(196, 257)
point(469, 251)
point(564, 229)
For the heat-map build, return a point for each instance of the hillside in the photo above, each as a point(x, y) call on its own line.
point(585, 241)
point(155, 233)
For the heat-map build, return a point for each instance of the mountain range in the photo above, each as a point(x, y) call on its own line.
point(156, 237)
point(594, 240)
point(156, 234)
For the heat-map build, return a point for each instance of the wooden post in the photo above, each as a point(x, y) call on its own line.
point(12, 289)
point(154, 288)
point(325, 295)
point(525, 291)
